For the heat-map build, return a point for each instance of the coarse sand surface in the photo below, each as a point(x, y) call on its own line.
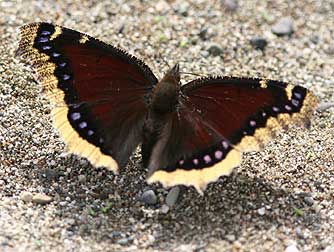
point(279, 199)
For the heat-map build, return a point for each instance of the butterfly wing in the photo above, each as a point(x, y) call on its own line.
point(99, 91)
point(217, 120)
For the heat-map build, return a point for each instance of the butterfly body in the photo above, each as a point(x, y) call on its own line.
point(108, 103)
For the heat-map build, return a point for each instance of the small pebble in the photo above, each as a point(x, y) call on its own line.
point(324, 106)
point(261, 211)
point(41, 198)
point(123, 241)
point(203, 33)
point(330, 50)
point(115, 234)
point(82, 178)
point(161, 6)
point(49, 173)
point(309, 201)
point(329, 249)
point(291, 248)
point(283, 27)
point(172, 196)
point(183, 9)
point(149, 197)
point(230, 5)
point(26, 196)
point(299, 233)
point(258, 43)
point(164, 209)
point(230, 238)
point(215, 49)
point(315, 39)
point(317, 208)
point(237, 245)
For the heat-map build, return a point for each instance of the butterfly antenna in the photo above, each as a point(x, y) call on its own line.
point(196, 74)
point(164, 60)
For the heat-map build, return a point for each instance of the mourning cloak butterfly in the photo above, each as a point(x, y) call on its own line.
point(108, 102)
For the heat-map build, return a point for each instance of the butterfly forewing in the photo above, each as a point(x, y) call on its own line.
point(99, 91)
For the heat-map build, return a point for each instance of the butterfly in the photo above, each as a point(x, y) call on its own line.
point(108, 103)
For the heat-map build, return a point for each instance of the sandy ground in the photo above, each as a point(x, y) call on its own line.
point(279, 199)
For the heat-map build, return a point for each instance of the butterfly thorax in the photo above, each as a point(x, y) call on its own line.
point(164, 101)
point(166, 93)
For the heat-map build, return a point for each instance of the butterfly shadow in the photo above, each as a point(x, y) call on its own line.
point(108, 207)
point(233, 206)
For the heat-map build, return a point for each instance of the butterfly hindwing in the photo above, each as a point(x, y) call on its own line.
point(217, 120)
point(98, 90)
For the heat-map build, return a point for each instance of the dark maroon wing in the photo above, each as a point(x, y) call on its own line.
point(217, 120)
point(99, 91)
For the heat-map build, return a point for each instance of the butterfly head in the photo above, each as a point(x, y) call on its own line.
point(166, 93)
point(173, 74)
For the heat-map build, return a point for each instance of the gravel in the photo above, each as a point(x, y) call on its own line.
point(93, 209)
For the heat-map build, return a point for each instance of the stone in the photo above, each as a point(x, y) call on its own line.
point(309, 201)
point(324, 106)
point(164, 209)
point(230, 5)
point(123, 241)
point(329, 249)
point(291, 248)
point(172, 196)
point(261, 211)
point(283, 27)
point(149, 197)
point(82, 178)
point(215, 49)
point(42, 199)
point(230, 238)
point(26, 197)
point(258, 43)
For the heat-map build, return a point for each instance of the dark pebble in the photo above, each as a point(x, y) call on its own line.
point(149, 197)
point(283, 27)
point(203, 33)
point(115, 234)
point(258, 43)
point(104, 194)
point(50, 174)
point(315, 39)
point(299, 233)
point(215, 50)
point(309, 201)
